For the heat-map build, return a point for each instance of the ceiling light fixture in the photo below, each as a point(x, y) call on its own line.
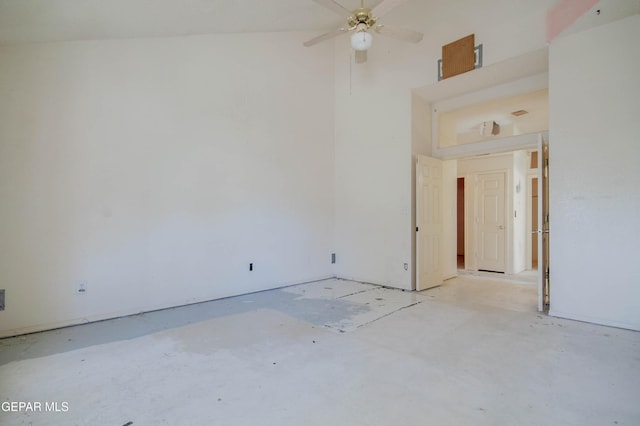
point(361, 40)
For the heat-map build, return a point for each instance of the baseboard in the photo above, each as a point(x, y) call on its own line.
point(594, 320)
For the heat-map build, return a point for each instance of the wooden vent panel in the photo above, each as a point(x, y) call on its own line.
point(458, 57)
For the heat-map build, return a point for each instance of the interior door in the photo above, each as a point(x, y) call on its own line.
point(429, 222)
point(490, 222)
point(543, 225)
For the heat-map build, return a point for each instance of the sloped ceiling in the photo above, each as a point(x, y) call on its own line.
point(34, 21)
point(604, 12)
point(25, 21)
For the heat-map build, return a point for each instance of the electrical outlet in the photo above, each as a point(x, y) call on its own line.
point(82, 287)
point(406, 266)
point(333, 258)
point(2, 300)
point(251, 266)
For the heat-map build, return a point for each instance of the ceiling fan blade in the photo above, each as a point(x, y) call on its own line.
point(326, 36)
point(385, 6)
point(361, 56)
point(332, 5)
point(399, 33)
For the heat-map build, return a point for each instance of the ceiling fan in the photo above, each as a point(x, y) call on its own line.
point(360, 22)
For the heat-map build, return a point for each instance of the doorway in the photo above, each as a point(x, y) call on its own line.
point(495, 203)
point(460, 223)
point(492, 200)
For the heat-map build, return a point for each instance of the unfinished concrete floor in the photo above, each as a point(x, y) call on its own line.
point(471, 352)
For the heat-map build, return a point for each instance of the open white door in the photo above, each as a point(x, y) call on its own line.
point(543, 225)
point(429, 222)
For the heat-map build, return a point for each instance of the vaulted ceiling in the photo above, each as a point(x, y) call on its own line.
point(58, 20)
point(33, 21)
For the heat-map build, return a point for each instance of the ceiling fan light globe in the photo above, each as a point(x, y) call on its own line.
point(361, 40)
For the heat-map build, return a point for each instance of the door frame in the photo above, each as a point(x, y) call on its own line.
point(543, 225)
point(529, 207)
point(471, 201)
point(516, 144)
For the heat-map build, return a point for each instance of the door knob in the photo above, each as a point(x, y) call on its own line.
point(500, 226)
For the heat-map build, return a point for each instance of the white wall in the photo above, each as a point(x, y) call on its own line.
point(594, 177)
point(373, 189)
point(156, 170)
point(519, 212)
point(449, 219)
point(420, 125)
point(421, 144)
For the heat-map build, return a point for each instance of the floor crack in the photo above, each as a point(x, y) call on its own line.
point(358, 292)
point(390, 313)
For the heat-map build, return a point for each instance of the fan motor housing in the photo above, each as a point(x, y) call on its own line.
point(362, 16)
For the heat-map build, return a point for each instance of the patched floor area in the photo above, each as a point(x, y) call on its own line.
point(348, 305)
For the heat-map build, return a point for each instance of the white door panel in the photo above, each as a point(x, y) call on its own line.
point(429, 222)
point(490, 220)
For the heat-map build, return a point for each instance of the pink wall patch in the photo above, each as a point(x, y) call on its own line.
point(565, 14)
